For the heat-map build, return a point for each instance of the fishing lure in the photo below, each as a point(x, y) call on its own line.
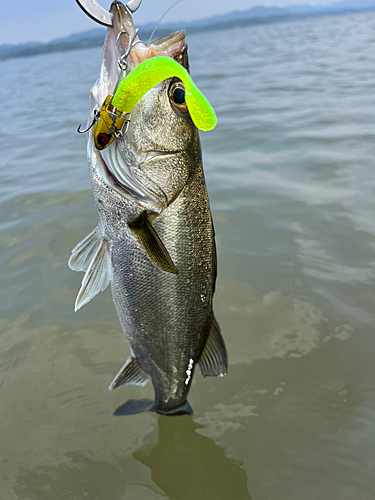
point(109, 121)
point(153, 71)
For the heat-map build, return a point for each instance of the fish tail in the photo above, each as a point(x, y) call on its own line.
point(134, 406)
point(184, 409)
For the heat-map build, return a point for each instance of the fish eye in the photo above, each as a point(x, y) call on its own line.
point(103, 139)
point(177, 96)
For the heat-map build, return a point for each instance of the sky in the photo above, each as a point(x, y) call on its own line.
point(24, 21)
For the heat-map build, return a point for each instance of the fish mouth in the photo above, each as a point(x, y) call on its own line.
point(116, 44)
point(170, 45)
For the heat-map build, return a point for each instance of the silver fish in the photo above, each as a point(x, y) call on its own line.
point(155, 240)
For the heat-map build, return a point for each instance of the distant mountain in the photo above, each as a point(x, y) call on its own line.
point(86, 35)
point(272, 12)
point(256, 15)
point(346, 6)
point(260, 11)
point(9, 49)
point(353, 5)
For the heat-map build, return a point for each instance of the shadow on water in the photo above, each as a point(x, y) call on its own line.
point(187, 465)
point(183, 464)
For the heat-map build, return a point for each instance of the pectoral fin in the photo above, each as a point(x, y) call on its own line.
point(83, 253)
point(149, 240)
point(214, 358)
point(130, 373)
point(97, 276)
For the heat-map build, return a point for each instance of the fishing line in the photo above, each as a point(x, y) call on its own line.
point(160, 20)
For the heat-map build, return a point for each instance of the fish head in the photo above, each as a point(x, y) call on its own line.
point(152, 158)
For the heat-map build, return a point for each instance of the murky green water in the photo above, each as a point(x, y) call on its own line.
point(290, 173)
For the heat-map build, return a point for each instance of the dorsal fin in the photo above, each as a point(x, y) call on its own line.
point(214, 358)
point(97, 276)
point(130, 373)
point(84, 251)
point(149, 240)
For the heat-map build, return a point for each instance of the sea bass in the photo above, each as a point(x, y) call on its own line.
point(154, 243)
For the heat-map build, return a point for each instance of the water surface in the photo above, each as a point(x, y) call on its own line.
point(290, 177)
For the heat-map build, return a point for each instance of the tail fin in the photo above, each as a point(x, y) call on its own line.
point(133, 406)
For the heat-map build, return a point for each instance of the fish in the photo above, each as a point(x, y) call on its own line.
point(155, 242)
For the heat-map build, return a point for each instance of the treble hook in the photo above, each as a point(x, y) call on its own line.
point(94, 120)
point(123, 65)
point(120, 133)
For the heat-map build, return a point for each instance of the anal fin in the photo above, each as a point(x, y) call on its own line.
point(214, 358)
point(149, 240)
point(130, 373)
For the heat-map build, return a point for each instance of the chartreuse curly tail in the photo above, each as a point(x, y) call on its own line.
point(153, 71)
